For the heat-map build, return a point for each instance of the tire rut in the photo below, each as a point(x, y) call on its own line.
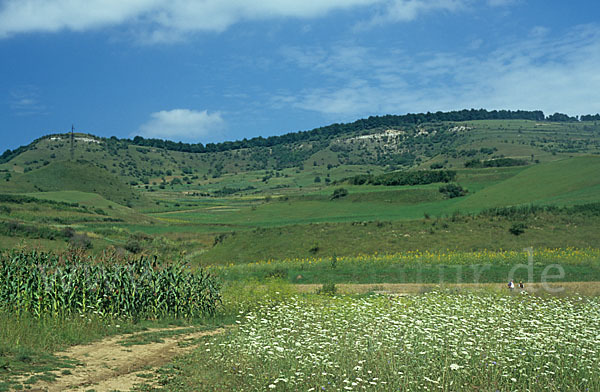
point(107, 365)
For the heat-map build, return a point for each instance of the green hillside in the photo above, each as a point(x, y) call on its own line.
point(565, 182)
point(297, 159)
point(76, 176)
point(93, 201)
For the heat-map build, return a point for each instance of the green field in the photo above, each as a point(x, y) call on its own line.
point(564, 182)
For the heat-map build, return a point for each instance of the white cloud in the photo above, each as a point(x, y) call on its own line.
point(541, 72)
point(158, 20)
point(19, 16)
point(171, 20)
point(182, 124)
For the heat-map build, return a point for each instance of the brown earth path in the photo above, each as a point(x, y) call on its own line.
point(582, 288)
point(107, 365)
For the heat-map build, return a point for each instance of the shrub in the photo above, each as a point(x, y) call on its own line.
point(517, 228)
point(81, 241)
point(135, 243)
point(68, 232)
point(453, 190)
point(339, 193)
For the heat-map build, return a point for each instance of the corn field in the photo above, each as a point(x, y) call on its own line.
point(45, 284)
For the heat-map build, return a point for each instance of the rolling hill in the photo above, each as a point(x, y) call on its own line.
point(272, 197)
point(76, 176)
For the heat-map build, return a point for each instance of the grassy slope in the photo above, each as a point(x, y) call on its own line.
point(76, 176)
point(569, 181)
point(457, 233)
point(114, 209)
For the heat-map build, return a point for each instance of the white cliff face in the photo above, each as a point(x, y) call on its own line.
point(459, 128)
point(388, 134)
point(76, 138)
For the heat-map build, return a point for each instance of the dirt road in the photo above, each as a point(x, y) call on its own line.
point(583, 288)
point(113, 365)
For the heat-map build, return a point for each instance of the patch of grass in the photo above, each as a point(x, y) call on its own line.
point(363, 271)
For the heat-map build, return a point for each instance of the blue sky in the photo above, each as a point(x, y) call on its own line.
point(214, 70)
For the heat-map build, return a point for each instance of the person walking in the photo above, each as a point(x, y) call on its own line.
point(511, 285)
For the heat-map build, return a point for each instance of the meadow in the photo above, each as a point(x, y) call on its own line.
point(449, 267)
point(433, 341)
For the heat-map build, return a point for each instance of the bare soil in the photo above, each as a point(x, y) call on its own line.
point(107, 365)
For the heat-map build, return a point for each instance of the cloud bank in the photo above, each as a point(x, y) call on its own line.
point(182, 124)
point(168, 20)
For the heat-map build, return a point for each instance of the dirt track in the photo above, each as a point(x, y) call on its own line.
point(583, 288)
point(107, 365)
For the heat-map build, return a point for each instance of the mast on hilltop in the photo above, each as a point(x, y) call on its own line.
point(72, 141)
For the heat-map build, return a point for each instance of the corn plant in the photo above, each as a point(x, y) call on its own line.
point(46, 284)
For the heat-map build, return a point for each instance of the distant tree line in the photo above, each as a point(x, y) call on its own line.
point(500, 162)
point(590, 117)
point(336, 129)
point(18, 199)
point(10, 154)
point(372, 122)
point(419, 177)
point(522, 211)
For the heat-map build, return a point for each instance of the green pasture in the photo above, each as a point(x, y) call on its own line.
point(462, 233)
point(565, 182)
point(75, 176)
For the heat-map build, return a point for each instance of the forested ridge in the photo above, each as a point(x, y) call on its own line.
point(336, 129)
